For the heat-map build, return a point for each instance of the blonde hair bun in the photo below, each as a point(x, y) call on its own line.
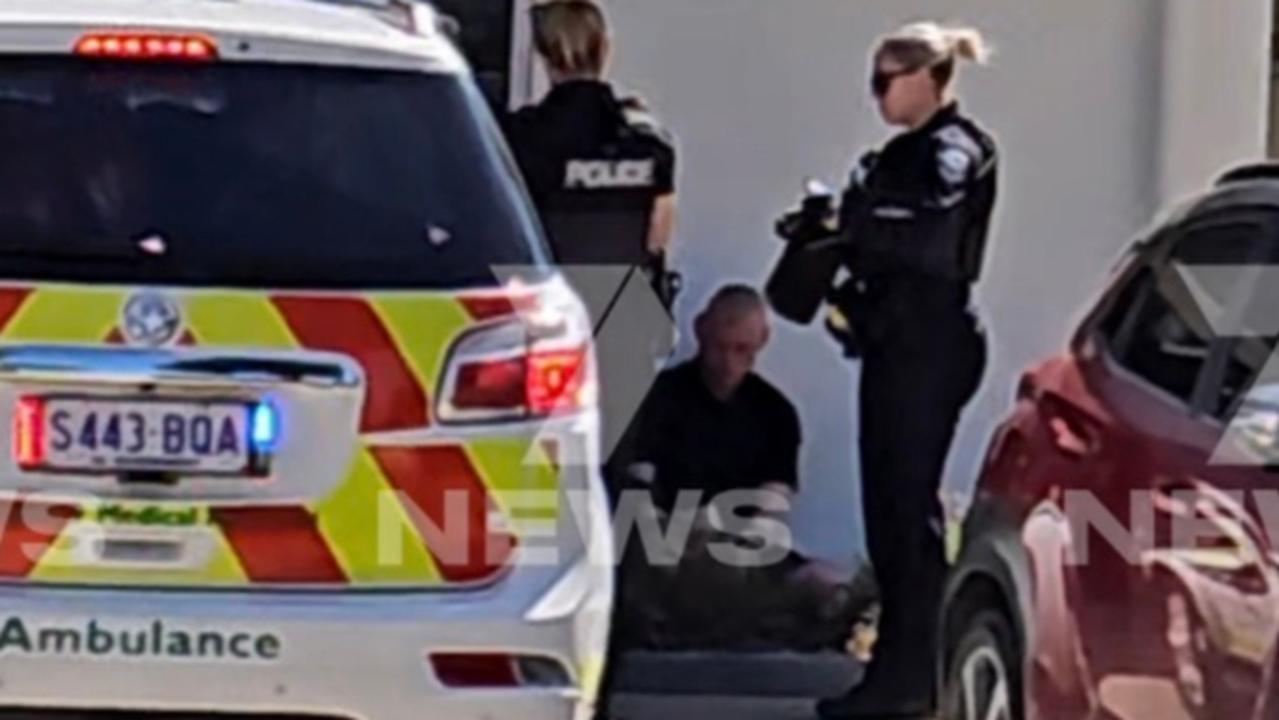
point(928, 43)
point(572, 35)
point(967, 43)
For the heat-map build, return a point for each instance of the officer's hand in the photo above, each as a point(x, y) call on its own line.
point(791, 225)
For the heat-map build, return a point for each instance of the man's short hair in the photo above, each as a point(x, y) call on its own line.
point(736, 299)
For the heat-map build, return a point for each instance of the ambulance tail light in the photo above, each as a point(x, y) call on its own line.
point(554, 380)
point(532, 364)
point(532, 384)
point(163, 46)
point(28, 432)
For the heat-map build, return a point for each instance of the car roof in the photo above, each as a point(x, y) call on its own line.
point(351, 33)
point(1246, 188)
point(1254, 185)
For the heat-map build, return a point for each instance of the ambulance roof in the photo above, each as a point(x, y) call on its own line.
point(360, 33)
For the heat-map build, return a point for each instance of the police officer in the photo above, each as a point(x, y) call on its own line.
point(600, 168)
point(915, 216)
point(601, 171)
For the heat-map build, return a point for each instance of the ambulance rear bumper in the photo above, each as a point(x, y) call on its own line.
point(350, 656)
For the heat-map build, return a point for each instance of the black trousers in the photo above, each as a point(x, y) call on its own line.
point(910, 402)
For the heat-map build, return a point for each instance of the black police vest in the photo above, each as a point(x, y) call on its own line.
point(600, 208)
point(922, 206)
point(916, 217)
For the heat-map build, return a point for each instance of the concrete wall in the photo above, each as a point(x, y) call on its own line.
point(1104, 109)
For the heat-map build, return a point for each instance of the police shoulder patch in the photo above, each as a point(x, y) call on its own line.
point(954, 165)
point(958, 155)
point(954, 136)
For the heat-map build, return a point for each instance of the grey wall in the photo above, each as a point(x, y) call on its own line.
point(764, 92)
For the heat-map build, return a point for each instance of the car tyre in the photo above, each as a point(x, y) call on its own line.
point(983, 675)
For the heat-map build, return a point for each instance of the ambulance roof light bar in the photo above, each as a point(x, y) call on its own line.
point(160, 45)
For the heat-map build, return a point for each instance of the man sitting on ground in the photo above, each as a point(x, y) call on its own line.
point(712, 426)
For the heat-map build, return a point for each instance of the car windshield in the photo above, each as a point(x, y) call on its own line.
point(254, 175)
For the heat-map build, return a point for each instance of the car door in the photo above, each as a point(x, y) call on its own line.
point(1163, 377)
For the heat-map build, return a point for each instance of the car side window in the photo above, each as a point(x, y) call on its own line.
point(1157, 336)
point(1241, 241)
point(1116, 324)
point(1155, 329)
point(1245, 359)
point(1237, 361)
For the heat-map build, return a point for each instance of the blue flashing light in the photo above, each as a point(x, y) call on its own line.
point(264, 427)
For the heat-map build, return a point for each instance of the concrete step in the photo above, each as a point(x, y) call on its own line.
point(709, 707)
point(739, 674)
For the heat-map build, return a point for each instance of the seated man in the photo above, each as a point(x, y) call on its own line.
point(711, 426)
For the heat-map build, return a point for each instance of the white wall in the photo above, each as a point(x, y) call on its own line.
point(764, 92)
point(1205, 105)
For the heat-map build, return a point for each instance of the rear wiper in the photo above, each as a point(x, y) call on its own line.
point(193, 103)
point(148, 245)
point(18, 96)
point(66, 255)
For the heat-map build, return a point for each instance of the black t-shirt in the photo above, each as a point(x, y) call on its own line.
point(698, 442)
point(594, 166)
point(917, 214)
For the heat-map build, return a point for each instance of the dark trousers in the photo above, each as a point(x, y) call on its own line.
point(910, 403)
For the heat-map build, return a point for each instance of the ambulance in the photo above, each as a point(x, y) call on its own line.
point(301, 421)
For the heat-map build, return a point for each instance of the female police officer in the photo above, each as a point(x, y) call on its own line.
point(600, 169)
point(916, 216)
point(602, 174)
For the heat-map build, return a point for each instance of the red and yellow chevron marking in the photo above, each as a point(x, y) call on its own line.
point(396, 396)
point(386, 523)
point(28, 533)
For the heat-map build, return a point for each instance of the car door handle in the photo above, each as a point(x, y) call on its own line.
point(1072, 433)
point(1067, 440)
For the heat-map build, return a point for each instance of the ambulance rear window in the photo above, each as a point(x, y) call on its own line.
point(253, 175)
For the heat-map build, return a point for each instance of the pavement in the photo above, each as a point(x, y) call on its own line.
point(781, 686)
point(741, 686)
point(711, 707)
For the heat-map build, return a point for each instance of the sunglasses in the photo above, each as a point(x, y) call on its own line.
point(881, 81)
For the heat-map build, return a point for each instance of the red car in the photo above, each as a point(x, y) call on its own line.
point(1116, 562)
point(1268, 705)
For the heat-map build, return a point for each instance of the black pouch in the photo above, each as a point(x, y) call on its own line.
point(801, 280)
point(802, 277)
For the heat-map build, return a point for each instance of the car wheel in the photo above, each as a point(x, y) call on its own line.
point(983, 675)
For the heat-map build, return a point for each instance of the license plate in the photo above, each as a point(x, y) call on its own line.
point(110, 435)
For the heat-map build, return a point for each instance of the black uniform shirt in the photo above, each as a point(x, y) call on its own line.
point(594, 165)
point(698, 442)
point(918, 213)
